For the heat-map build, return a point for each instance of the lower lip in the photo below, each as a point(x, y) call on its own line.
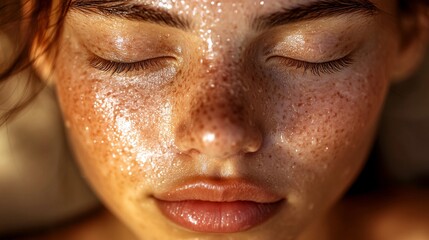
point(218, 217)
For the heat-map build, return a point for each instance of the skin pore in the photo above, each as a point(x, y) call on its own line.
point(281, 95)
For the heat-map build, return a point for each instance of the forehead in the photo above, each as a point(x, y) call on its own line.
point(223, 7)
point(210, 13)
point(190, 6)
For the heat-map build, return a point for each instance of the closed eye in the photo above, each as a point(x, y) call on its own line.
point(115, 67)
point(318, 69)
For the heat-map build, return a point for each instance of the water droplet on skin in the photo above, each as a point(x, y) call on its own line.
point(282, 138)
point(130, 173)
point(262, 3)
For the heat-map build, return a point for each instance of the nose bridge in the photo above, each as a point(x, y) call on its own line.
point(220, 124)
point(219, 111)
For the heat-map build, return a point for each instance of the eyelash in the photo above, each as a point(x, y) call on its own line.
point(315, 68)
point(123, 67)
point(318, 68)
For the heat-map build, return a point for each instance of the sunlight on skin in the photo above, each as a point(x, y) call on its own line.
point(221, 105)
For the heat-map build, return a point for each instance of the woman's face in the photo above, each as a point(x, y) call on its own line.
point(242, 118)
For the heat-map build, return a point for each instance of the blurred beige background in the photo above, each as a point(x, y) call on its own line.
point(39, 182)
point(404, 128)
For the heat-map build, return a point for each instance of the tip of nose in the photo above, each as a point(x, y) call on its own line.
point(209, 138)
point(230, 142)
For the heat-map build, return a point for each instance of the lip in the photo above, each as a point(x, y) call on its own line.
point(218, 206)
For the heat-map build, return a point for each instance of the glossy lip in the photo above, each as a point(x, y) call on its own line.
point(218, 206)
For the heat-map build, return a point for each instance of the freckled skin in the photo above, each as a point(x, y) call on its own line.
point(222, 111)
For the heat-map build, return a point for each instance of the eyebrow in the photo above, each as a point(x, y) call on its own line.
point(315, 10)
point(130, 11)
point(304, 12)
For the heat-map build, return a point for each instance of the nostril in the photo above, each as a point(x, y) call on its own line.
point(227, 139)
point(254, 141)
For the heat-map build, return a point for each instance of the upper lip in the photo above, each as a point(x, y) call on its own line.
point(229, 190)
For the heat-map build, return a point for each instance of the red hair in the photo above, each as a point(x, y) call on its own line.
point(36, 23)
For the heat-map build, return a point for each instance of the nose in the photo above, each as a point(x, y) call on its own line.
point(219, 124)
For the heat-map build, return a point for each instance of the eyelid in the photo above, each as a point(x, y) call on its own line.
point(118, 67)
point(316, 68)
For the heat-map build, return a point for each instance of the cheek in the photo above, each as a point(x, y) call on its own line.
point(323, 129)
point(331, 116)
point(118, 130)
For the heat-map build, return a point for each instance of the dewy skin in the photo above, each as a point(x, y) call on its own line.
point(199, 117)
